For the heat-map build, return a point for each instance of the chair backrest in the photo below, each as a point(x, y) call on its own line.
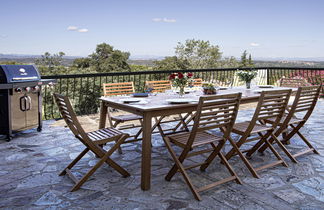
point(197, 82)
point(158, 86)
point(305, 101)
point(123, 88)
point(271, 105)
point(218, 111)
point(293, 82)
point(73, 123)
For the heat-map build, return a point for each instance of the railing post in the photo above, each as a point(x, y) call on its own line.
point(268, 77)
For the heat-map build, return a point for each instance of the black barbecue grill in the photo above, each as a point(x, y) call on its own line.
point(20, 98)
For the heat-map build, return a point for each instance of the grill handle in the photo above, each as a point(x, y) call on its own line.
point(23, 103)
point(28, 102)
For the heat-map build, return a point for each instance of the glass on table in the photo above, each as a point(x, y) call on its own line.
point(169, 92)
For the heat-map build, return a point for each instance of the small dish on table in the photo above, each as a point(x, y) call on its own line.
point(129, 100)
point(265, 86)
point(222, 88)
point(140, 94)
point(179, 100)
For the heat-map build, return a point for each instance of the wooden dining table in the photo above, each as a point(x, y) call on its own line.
point(157, 105)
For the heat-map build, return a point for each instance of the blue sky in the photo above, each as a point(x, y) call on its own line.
point(266, 28)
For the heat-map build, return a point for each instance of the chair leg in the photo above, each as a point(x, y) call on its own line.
point(212, 156)
point(74, 161)
point(244, 159)
point(140, 130)
point(104, 159)
point(178, 164)
point(112, 163)
point(284, 136)
point(274, 151)
point(120, 151)
point(230, 169)
point(191, 118)
point(284, 148)
point(307, 142)
point(158, 125)
point(184, 121)
point(89, 173)
point(231, 153)
point(181, 158)
point(256, 146)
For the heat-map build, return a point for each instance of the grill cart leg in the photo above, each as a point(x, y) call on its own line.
point(9, 137)
point(40, 122)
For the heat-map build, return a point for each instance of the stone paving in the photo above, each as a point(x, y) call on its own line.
point(31, 162)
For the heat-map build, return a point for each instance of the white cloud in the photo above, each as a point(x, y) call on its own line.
point(157, 19)
point(166, 20)
point(83, 30)
point(169, 20)
point(253, 44)
point(72, 28)
point(3, 35)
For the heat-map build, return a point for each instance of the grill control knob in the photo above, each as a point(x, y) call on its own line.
point(18, 90)
point(36, 89)
point(28, 89)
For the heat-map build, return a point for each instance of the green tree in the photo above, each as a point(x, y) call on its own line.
point(137, 67)
point(246, 61)
point(171, 63)
point(49, 60)
point(106, 59)
point(250, 61)
point(10, 63)
point(51, 64)
point(229, 62)
point(199, 54)
point(82, 62)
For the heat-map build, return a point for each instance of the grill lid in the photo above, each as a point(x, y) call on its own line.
point(18, 73)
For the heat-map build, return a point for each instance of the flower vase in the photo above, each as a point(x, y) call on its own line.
point(248, 84)
point(181, 91)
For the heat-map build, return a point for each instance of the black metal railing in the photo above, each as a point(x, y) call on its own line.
point(85, 89)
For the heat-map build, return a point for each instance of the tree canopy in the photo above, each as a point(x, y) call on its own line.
point(107, 59)
point(171, 63)
point(199, 54)
point(192, 54)
point(196, 54)
point(246, 61)
point(49, 60)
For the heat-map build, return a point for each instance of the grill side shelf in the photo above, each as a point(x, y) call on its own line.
point(6, 86)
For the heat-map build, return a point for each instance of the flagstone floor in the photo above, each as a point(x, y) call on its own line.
point(31, 162)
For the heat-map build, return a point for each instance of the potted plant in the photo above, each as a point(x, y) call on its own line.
point(181, 80)
point(209, 88)
point(247, 76)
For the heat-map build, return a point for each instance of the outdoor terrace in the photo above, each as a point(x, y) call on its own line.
point(32, 161)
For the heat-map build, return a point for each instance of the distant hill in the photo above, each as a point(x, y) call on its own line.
point(30, 59)
point(148, 60)
point(289, 63)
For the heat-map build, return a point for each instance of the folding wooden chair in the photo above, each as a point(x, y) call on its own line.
point(271, 105)
point(125, 88)
point(159, 86)
point(197, 82)
point(293, 82)
point(304, 103)
point(213, 112)
point(93, 142)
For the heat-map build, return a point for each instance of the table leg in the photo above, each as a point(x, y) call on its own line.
point(103, 115)
point(146, 152)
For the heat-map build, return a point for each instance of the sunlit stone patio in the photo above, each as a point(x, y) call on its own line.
point(31, 162)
